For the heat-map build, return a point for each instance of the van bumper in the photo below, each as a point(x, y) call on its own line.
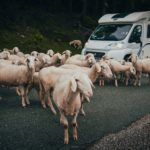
point(117, 54)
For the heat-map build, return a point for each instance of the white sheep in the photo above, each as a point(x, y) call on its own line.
point(44, 58)
point(34, 53)
point(141, 66)
point(67, 98)
point(65, 55)
point(14, 75)
point(117, 68)
point(48, 77)
point(50, 52)
point(17, 52)
point(76, 43)
point(83, 63)
point(93, 73)
point(54, 59)
point(130, 74)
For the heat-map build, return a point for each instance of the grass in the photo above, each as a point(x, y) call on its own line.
point(110, 110)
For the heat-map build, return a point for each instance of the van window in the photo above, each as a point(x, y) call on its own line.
point(148, 31)
point(136, 34)
point(111, 32)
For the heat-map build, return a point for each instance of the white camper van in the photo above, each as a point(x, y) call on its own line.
point(118, 35)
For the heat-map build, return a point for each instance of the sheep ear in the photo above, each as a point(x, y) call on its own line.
point(64, 52)
point(98, 68)
point(59, 56)
point(43, 59)
point(73, 85)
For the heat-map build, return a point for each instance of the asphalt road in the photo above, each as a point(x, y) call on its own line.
point(34, 128)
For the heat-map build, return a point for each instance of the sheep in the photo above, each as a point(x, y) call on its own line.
point(19, 76)
point(14, 58)
point(65, 55)
point(34, 53)
point(83, 57)
point(54, 59)
point(50, 52)
point(128, 74)
point(67, 98)
point(35, 84)
point(48, 77)
point(117, 67)
point(93, 73)
point(17, 52)
point(4, 55)
point(44, 58)
point(141, 66)
point(76, 43)
point(8, 50)
point(83, 63)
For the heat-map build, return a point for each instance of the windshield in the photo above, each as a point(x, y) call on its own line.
point(111, 32)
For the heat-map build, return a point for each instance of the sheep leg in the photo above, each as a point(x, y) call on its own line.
point(22, 94)
point(74, 125)
point(139, 79)
point(42, 94)
point(116, 82)
point(64, 121)
point(127, 80)
point(82, 112)
point(103, 82)
point(51, 105)
point(149, 78)
point(27, 90)
point(100, 82)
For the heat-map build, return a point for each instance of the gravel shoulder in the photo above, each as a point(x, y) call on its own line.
point(135, 137)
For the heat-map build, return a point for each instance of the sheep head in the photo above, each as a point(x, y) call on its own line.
point(83, 84)
point(105, 70)
point(134, 58)
point(34, 53)
point(67, 53)
point(50, 52)
point(16, 50)
point(133, 70)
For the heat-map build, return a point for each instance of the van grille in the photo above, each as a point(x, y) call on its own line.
point(97, 55)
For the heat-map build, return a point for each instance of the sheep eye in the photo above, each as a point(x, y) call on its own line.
point(35, 59)
point(28, 60)
point(102, 67)
point(77, 80)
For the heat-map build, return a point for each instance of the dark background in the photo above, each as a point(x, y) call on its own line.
point(44, 24)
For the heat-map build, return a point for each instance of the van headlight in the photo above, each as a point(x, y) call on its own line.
point(86, 44)
point(116, 45)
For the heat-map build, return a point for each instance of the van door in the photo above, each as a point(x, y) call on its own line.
point(146, 45)
point(135, 39)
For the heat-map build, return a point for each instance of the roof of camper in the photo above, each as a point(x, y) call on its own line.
point(125, 17)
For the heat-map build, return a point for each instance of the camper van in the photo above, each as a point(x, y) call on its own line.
point(119, 35)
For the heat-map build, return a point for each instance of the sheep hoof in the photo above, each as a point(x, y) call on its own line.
point(44, 106)
point(82, 113)
point(24, 106)
point(75, 137)
point(54, 112)
point(66, 141)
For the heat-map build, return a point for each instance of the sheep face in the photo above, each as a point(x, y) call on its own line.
point(67, 53)
point(4, 55)
point(34, 53)
point(134, 58)
point(132, 70)
point(83, 83)
point(31, 62)
point(16, 50)
point(91, 60)
point(50, 52)
point(105, 70)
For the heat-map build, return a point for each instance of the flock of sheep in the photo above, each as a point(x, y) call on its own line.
point(67, 79)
